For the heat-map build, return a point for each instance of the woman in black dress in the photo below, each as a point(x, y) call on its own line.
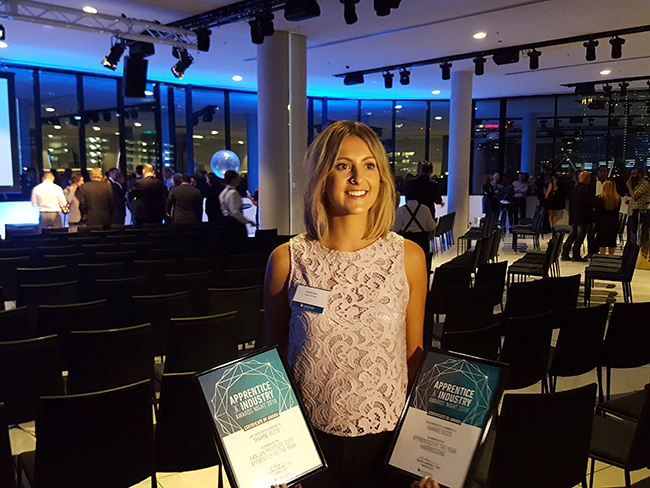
point(608, 204)
point(556, 198)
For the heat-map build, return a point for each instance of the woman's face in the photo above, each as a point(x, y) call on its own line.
point(353, 186)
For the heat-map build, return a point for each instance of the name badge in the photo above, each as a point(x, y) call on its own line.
point(310, 299)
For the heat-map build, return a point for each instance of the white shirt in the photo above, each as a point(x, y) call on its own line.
point(48, 197)
point(599, 186)
point(231, 204)
point(423, 215)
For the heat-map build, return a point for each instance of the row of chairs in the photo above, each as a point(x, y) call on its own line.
point(486, 250)
point(538, 263)
point(443, 237)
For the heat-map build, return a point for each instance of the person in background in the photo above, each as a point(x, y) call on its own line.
point(66, 179)
point(255, 200)
point(607, 207)
point(185, 203)
point(596, 186)
point(373, 283)
point(522, 187)
point(50, 200)
point(96, 200)
point(490, 202)
point(638, 190)
point(555, 199)
point(427, 188)
point(167, 177)
point(212, 206)
point(581, 215)
point(231, 208)
point(118, 185)
point(177, 180)
point(147, 198)
point(74, 214)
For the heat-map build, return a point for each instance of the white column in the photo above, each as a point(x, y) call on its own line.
point(282, 130)
point(460, 127)
point(528, 143)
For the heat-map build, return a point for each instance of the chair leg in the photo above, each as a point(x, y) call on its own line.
point(599, 374)
point(591, 474)
point(628, 482)
point(609, 381)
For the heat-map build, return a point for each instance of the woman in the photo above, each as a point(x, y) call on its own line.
point(608, 204)
point(490, 199)
point(556, 198)
point(351, 362)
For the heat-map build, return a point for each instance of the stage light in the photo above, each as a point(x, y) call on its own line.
point(617, 47)
point(624, 86)
point(256, 32)
point(585, 88)
point(382, 7)
point(404, 77)
point(446, 70)
point(506, 56)
point(350, 11)
point(2, 33)
point(299, 10)
point(479, 67)
point(203, 39)
point(607, 90)
point(353, 79)
point(111, 60)
point(590, 46)
point(261, 27)
point(534, 59)
point(184, 62)
point(388, 79)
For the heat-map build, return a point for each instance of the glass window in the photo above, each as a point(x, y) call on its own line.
point(24, 79)
point(342, 110)
point(60, 119)
point(243, 126)
point(209, 126)
point(486, 142)
point(410, 136)
point(100, 117)
point(179, 135)
point(439, 142)
point(140, 130)
point(317, 121)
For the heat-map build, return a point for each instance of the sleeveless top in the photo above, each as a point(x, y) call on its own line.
point(350, 361)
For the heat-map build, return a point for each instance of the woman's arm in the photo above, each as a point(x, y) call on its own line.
point(276, 301)
point(417, 276)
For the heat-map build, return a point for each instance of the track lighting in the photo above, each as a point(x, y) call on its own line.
point(299, 10)
point(382, 7)
point(112, 58)
point(203, 39)
point(590, 46)
point(353, 79)
point(479, 67)
point(350, 11)
point(404, 77)
point(533, 57)
point(184, 62)
point(388, 79)
point(607, 90)
point(446, 70)
point(624, 86)
point(617, 47)
point(261, 27)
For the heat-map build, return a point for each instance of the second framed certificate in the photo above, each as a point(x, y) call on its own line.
point(447, 411)
point(262, 434)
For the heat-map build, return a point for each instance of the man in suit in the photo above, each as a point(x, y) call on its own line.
point(96, 200)
point(118, 184)
point(596, 188)
point(147, 197)
point(185, 203)
point(428, 189)
point(581, 216)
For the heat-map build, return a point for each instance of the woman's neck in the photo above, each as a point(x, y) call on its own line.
point(346, 233)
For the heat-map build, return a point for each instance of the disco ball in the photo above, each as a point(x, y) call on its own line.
point(223, 161)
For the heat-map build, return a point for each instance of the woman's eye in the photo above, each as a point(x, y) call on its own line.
point(342, 166)
point(370, 166)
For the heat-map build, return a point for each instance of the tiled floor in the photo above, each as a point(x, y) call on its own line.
point(623, 381)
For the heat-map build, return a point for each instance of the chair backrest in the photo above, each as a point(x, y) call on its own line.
point(524, 298)
point(492, 274)
point(40, 251)
point(141, 248)
point(102, 439)
point(41, 276)
point(561, 293)
point(537, 431)
point(127, 257)
point(247, 261)
point(240, 278)
point(81, 239)
point(63, 319)
point(158, 310)
point(14, 324)
point(578, 346)
point(496, 241)
point(92, 249)
point(526, 348)
point(247, 302)
point(629, 264)
point(444, 279)
point(7, 469)
point(9, 274)
point(639, 455)
point(29, 369)
point(628, 336)
point(216, 264)
point(155, 270)
point(559, 239)
point(200, 343)
point(197, 284)
point(16, 252)
point(70, 261)
point(471, 308)
point(482, 343)
point(32, 296)
point(104, 359)
point(183, 436)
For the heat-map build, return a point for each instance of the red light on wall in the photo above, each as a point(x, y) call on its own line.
point(491, 126)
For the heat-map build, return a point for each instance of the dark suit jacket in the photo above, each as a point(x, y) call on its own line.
point(428, 191)
point(96, 203)
point(147, 197)
point(185, 204)
point(581, 205)
point(119, 202)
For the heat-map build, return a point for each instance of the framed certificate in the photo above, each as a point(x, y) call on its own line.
point(446, 413)
point(259, 423)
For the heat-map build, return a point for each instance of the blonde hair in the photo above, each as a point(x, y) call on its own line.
point(611, 199)
point(320, 161)
point(96, 174)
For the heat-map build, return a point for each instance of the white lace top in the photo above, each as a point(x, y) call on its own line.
point(350, 361)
